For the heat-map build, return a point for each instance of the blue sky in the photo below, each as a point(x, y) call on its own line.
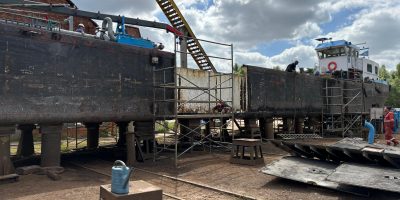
point(339, 20)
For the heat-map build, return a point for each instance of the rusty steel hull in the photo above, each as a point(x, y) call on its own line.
point(278, 93)
point(48, 77)
point(273, 92)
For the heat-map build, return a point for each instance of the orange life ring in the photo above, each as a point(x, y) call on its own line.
point(330, 66)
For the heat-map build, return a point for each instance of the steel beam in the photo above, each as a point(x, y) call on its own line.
point(183, 49)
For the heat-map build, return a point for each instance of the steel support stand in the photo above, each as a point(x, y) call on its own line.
point(92, 135)
point(6, 166)
point(51, 145)
point(122, 130)
point(130, 148)
point(25, 145)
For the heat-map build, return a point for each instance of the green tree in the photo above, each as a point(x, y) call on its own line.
point(238, 70)
point(310, 70)
point(394, 95)
point(383, 73)
point(394, 81)
point(398, 71)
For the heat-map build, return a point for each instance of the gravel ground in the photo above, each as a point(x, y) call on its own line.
point(210, 169)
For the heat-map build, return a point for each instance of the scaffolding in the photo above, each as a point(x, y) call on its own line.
point(343, 108)
point(204, 117)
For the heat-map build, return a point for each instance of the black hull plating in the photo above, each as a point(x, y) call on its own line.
point(52, 78)
point(278, 93)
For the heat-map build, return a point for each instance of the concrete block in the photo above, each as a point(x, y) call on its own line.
point(33, 169)
point(53, 175)
point(138, 190)
point(56, 170)
point(10, 178)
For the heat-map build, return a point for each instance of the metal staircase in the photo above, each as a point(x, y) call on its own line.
point(194, 47)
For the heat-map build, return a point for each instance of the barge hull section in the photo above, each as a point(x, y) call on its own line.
point(48, 77)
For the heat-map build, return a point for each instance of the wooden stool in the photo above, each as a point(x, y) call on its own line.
point(138, 190)
point(239, 156)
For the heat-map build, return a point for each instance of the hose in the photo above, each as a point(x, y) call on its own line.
point(107, 25)
point(371, 134)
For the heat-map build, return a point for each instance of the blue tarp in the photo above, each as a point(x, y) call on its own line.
point(396, 121)
point(337, 43)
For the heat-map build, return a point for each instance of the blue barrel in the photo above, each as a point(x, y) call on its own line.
point(120, 174)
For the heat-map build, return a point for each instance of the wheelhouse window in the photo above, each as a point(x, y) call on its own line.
point(369, 68)
point(376, 70)
point(332, 52)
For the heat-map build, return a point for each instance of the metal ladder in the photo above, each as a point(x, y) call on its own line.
point(341, 98)
point(354, 99)
point(177, 20)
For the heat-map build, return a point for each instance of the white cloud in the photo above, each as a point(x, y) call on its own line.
point(307, 30)
point(379, 27)
point(248, 23)
point(305, 54)
point(143, 9)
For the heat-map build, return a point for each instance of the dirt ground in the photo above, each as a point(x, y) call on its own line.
point(201, 167)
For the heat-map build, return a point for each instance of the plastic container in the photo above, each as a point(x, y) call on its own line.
point(120, 175)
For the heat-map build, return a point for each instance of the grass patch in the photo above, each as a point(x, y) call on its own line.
point(162, 128)
point(64, 147)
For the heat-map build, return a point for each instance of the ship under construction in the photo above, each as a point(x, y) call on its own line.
point(52, 75)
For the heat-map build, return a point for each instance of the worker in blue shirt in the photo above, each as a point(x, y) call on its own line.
point(80, 29)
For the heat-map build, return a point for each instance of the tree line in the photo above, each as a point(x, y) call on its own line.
point(393, 78)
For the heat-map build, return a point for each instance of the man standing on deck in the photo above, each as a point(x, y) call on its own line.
point(292, 66)
point(80, 29)
point(389, 125)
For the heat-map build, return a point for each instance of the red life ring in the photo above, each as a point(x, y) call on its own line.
point(334, 66)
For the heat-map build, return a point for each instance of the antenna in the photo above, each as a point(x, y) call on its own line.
point(361, 44)
point(322, 40)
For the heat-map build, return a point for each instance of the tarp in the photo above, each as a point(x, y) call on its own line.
point(336, 43)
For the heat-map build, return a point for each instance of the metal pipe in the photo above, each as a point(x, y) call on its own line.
point(63, 9)
point(107, 25)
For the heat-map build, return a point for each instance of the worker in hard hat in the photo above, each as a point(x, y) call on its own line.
point(292, 66)
point(221, 107)
point(80, 29)
point(389, 126)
